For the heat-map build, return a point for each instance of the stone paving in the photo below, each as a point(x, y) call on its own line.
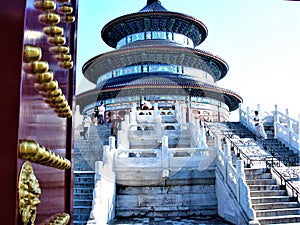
point(207, 220)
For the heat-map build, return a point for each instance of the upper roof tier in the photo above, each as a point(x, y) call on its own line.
point(153, 17)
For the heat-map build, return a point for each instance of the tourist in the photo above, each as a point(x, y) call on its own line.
point(86, 122)
point(96, 116)
point(101, 110)
point(259, 127)
point(146, 105)
point(114, 126)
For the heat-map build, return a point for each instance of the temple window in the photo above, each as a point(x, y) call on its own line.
point(197, 74)
point(149, 35)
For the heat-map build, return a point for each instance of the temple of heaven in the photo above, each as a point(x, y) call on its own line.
point(155, 59)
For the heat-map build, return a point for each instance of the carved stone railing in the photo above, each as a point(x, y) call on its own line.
point(234, 178)
point(286, 129)
point(104, 193)
point(146, 127)
point(164, 157)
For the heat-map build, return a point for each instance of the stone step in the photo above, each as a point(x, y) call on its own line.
point(83, 184)
point(79, 222)
point(261, 182)
point(81, 210)
point(89, 180)
point(85, 190)
point(83, 196)
point(167, 200)
point(166, 212)
point(249, 171)
point(84, 174)
point(264, 187)
point(80, 218)
point(268, 193)
point(194, 189)
point(277, 212)
point(258, 176)
point(200, 220)
point(270, 199)
point(284, 154)
point(82, 202)
point(279, 219)
point(275, 205)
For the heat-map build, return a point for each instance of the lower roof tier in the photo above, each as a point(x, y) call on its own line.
point(156, 85)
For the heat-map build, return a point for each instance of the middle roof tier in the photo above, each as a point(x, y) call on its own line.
point(154, 52)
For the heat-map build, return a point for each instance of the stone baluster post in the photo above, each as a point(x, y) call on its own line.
point(217, 141)
point(125, 124)
point(240, 111)
point(132, 115)
point(240, 174)
point(164, 152)
point(156, 112)
point(178, 108)
point(112, 142)
point(288, 125)
point(197, 122)
point(177, 105)
point(275, 121)
point(158, 121)
point(243, 193)
point(183, 112)
point(78, 117)
point(227, 157)
point(96, 203)
point(155, 106)
point(248, 117)
point(106, 150)
point(201, 135)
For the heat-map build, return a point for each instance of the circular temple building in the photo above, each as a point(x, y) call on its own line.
point(155, 59)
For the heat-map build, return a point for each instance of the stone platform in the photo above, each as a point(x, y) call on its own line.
point(207, 220)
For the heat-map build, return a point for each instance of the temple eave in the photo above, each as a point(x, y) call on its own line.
point(120, 27)
point(226, 96)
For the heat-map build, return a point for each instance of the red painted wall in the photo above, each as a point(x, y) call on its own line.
point(11, 23)
point(24, 114)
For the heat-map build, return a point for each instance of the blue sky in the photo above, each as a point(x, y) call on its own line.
point(259, 39)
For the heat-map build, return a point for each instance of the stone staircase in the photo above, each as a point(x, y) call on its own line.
point(236, 128)
point(191, 196)
point(282, 152)
point(82, 196)
point(270, 201)
point(86, 153)
point(277, 149)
